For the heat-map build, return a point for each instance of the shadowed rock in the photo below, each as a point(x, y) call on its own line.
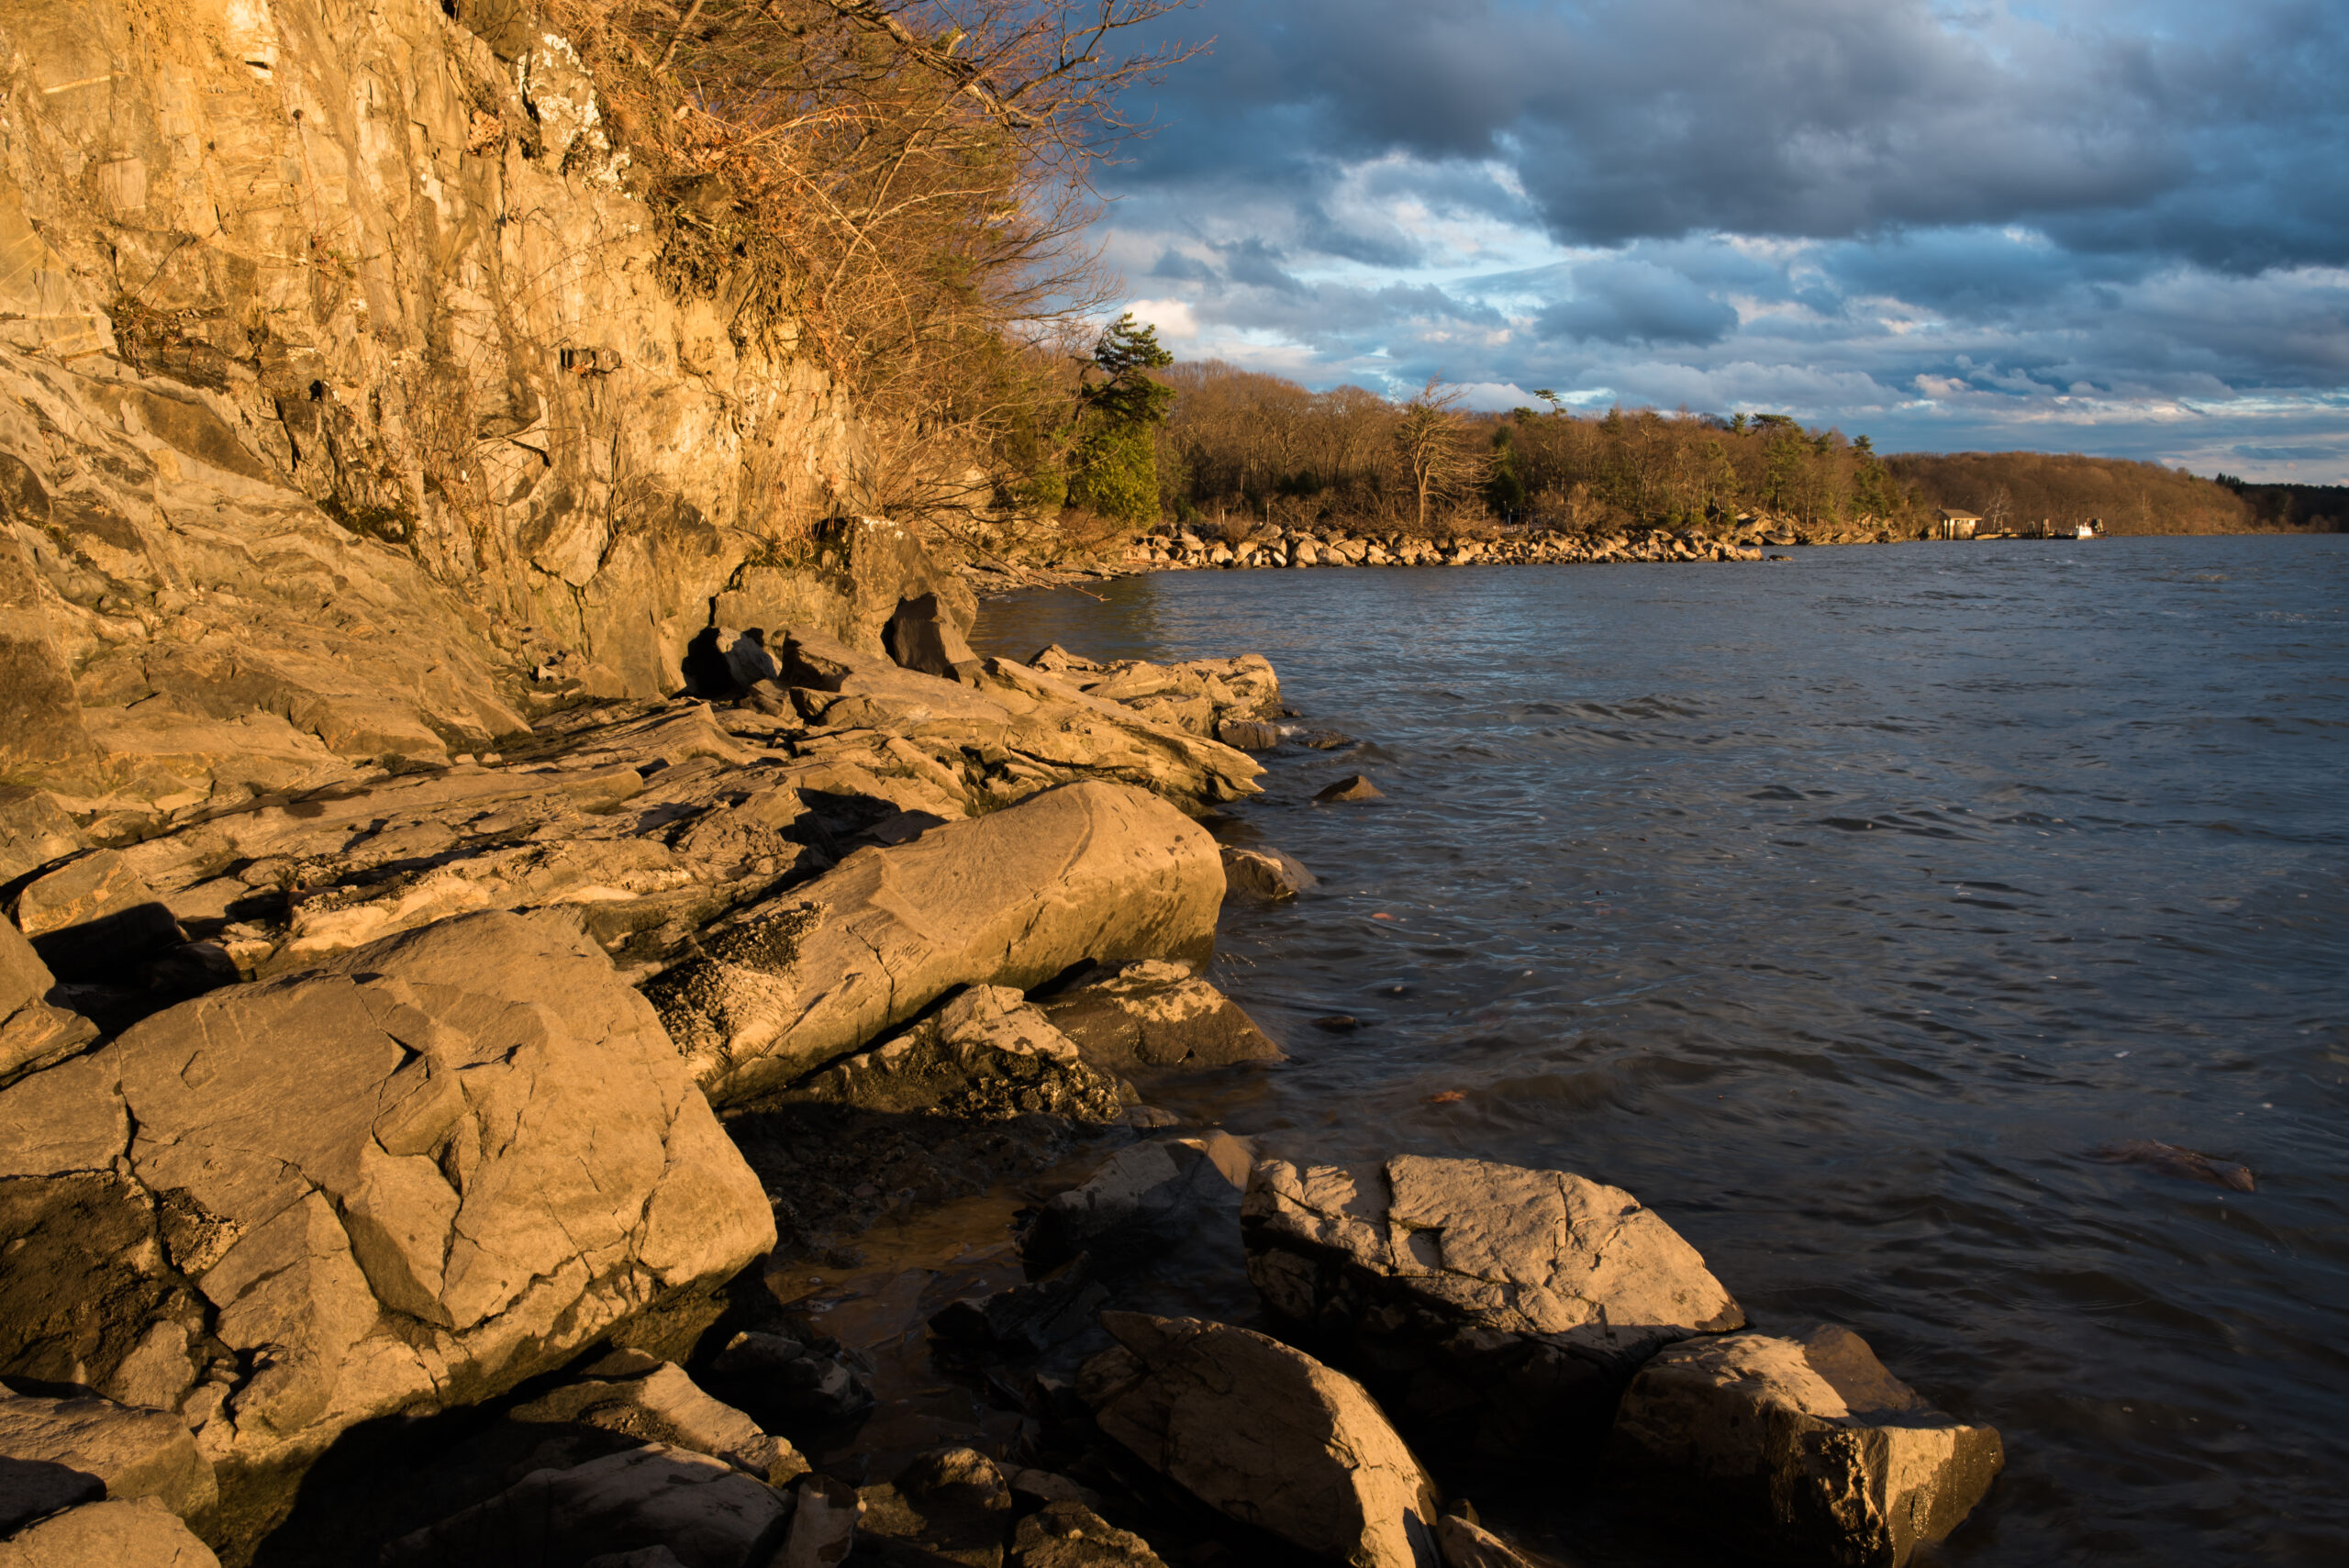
point(705, 1512)
point(1265, 1434)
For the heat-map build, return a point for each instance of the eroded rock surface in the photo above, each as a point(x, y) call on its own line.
point(1514, 1302)
point(1267, 1435)
point(1804, 1444)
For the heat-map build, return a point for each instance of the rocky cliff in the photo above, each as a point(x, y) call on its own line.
point(346, 413)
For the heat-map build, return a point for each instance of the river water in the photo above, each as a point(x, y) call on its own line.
point(1845, 909)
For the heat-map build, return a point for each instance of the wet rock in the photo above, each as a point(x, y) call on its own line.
point(445, 1167)
point(1092, 870)
point(703, 1511)
point(1146, 1196)
point(787, 1382)
point(1266, 1435)
point(1488, 1303)
point(1262, 872)
point(1030, 1318)
point(128, 1452)
point(923, 636)
point(140, 1533)
point(951, 1503)
point(2184, 1163)
point(1803, 1445)
point(1353, 786)
point(1248, 734)
point(1322, 740)
point(1064, 1533)
point(657, 1402)
point(1155, 1014)
point(986, 1054)
point(95, 919)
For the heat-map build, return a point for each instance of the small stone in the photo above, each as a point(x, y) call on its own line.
point(1263, 873)
point(1353, 786)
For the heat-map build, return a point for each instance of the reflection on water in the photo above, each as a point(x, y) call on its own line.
point(1845, 912)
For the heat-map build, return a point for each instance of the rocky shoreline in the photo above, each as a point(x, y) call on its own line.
point(465, 1165)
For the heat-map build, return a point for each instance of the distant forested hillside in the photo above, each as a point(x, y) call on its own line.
point(2020, 490)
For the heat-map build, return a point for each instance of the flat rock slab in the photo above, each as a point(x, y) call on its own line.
point(128, 1452)
point(1155, 1014)
point(1266, 1435)
point(1803, 1446)
point(1568, 1286)
point(1090, 871)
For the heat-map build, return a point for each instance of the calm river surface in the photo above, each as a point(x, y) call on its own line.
point(1842, 909)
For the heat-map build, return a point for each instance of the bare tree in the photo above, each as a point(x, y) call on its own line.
point(1432, 438)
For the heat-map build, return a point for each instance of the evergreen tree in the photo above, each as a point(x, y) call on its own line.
point(1116, 468)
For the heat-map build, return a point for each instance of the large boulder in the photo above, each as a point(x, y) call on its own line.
point(450, 1162)
point(140, 1533)
point(1488, 1303)
point(1265, 1434)
point(1803, 1446)
point(1151, 1013)
point(1092, 870)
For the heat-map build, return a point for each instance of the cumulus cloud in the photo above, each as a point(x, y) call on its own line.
point(2113, 226)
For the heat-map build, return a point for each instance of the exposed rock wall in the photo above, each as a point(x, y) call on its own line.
point(339, 393)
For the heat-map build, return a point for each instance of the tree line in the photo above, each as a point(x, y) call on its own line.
point(1237, 445)
point(1240, 443)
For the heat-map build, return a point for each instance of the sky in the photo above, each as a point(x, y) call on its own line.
point(2115, 227)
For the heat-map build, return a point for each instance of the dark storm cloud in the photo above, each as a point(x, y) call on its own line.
point(1637, 302)
point(2034, 225)
point(2213, 132)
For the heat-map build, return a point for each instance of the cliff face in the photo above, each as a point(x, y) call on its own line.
point(339, 395)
